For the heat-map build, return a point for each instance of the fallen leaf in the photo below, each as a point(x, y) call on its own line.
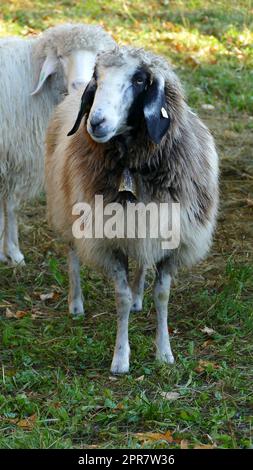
point(207, 330)
point(120, 406)
point(207, 107)
point(48, 296)
point(249, 202)
point(179, 47)
point(205, 446)
point(9, 313)
point(21, 314)
point(170, 395)
point(184, 444)
point(191, 60)
point(27, 423)
point(17, 314)
point(207, 343)
point(203, 365)
point(140, 379)
point(90, 446)
point(9, 420)
point(154, 436)
point(38, 314)
point(56, 405)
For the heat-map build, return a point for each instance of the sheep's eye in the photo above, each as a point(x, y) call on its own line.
point(138, 79)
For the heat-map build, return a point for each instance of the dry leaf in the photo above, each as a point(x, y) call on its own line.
point(140, 379)
point(154, 436)
point(17, 314)
point(56, 405)
point(38, 314)
point(204, 364)
point(120, 406)
point(191, 60)
point(184, 444)
point(9, 313)
point(179, 47)
point(170, 395)
point(90, 446)
point(48, 296)
point(27, 423)
point(207, 330)
point(9, 420)
point(21, 314)
point(249, 202)
point(205, 446)
point(206, 343)
point(208, 107)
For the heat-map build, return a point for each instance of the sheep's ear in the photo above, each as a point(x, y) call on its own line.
point(156, 110)
point(48, 68)
point(86, 103)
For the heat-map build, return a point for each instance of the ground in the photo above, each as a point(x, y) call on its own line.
point(56, 390)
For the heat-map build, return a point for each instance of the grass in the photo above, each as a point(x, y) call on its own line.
point(55, 386)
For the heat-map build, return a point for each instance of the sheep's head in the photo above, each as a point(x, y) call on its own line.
point(70, 50)
point(129, 87)
point(77, 68)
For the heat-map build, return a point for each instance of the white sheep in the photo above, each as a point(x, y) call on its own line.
point(35, 73)
point(138, 140)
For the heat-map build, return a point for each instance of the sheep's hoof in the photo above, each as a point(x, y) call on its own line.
point(166, 357)
point(119, 366)
point(14, 256)
point(76, 309)
point(119, 371)
point(17, 259)
point(3, 258)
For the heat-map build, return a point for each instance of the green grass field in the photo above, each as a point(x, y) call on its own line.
point(56, 390)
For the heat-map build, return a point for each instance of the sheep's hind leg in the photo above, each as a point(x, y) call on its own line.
point(161, 298)
point(120, 362)
point(75, 298)
point(138, 289)
point(12, 249)
point(3, 258)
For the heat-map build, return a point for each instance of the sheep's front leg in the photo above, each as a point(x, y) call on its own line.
point(75, 297)
point(120, 362)
point(138, 289)
point(11, 238)
point(161, 298)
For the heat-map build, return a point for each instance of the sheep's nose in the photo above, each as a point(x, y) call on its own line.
point(96, 122)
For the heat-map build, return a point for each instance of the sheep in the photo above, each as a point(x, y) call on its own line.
point(34, 75)
point(137, 134)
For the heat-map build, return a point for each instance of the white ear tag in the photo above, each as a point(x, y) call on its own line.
point(164, 113)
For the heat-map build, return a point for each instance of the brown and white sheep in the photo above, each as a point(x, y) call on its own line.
point(133, 119)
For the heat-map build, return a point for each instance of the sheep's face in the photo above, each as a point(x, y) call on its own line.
point(120, 97)
point(76, 67)
point(120, 90)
